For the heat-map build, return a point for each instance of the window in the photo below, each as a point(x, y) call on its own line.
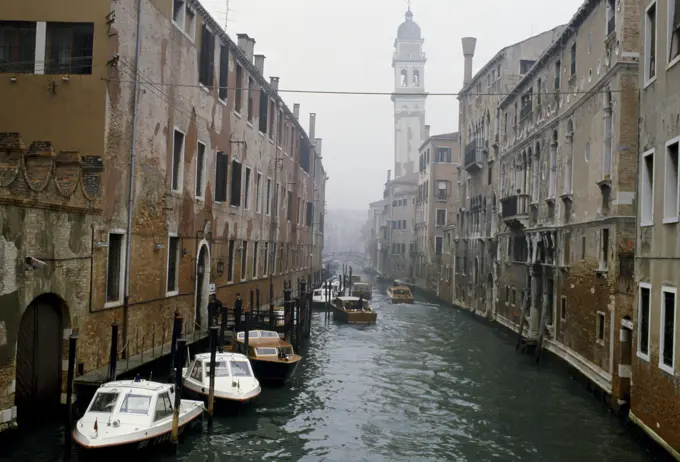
point(600, 327)
point(68, 48)
point(289, 206)
point(611, 16)
point(650, 44)
point(200, 170)
point(244, 260)
point(590, 42)
point(438, 244)
point(17, 47)
point(647, 189)
point(207, 57)
point(441, 217)
point(173, 264)
point(177, 160)
point(558, 70)
point(235, 183)
point(525, 65)
point(163, 407)
point(566, 250)
point(230, 263)
point(667, 333)
point(299, 211)
point(255, 249)
point(264, 104)
point(573, 59)
point(266, 259)
point(114, 268)
point(136, 404)
point(443, 155)
point(238, 92)
point(246, 198)
point(104, 402)
point(583, 248)
point(269, 195)
point(251, 99)
point(563, 308)
point(514, 295)
point(643, 321)
point(673, 30)
point(670, 200)
point(224, 72)
point(604, 249)
point(280, 130)
point(310, 214)
point(221, 170)
point(258, 193)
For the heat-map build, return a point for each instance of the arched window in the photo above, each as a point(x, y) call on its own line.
point(416, 78)
point(404, 78)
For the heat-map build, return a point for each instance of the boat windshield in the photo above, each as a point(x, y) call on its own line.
point(136, 404)
point(265, 351)
point(240, 369)
point(286, 350)
point(317, 293)
point(268, 334)
point(104, 402)
point(220, 369)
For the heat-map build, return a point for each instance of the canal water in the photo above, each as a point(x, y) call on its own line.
point(426, 383)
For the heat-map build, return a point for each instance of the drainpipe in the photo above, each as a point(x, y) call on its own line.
point(131, 182)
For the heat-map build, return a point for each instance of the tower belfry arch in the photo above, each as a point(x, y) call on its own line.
point(409, 96)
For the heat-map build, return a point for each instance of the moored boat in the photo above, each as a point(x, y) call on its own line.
point(400, 294)
point(353, 310)
point(362, 289)
point(235, 382)
point(133, 415)
point(319, 296)
point(272, 358)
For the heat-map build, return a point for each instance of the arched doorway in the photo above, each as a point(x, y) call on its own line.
point(202, 285)
point(39, 355)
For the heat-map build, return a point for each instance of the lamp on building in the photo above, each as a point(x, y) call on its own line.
point(159, 246)
point(101, 244)
point(220, 266)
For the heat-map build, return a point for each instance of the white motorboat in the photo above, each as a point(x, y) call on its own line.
point(235, 382)
point(133, 414)
point(320, 296)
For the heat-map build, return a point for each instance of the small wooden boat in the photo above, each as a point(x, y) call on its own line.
point(272, 358)
point(132, 415)
point(353, 310)
point(235, 383)
point(362, 289)
point(400, 294)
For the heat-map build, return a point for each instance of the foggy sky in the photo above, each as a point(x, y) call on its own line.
point(348, 45)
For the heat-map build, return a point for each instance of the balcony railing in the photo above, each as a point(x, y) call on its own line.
point(409, 56)
point(473, 155)
point(515, 206)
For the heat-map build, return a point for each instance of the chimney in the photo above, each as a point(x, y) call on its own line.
point(317, 146)
point(312, 125)
point(296, 110)
point(468, 52)
point(427, 132)
point(243, 42)
point(274, 83)
point(259, 63)
point(250, 49)
point(389, 175)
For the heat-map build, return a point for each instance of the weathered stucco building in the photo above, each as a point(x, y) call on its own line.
point(399, 226)
point(474, 240)
point(227, 188)
point(436, 204)
point(655, 391)
point(568, 161)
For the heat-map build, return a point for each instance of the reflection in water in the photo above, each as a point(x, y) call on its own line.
point(425, 383)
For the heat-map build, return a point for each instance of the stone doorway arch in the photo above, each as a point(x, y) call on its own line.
point(39, 358)
point(202, 285)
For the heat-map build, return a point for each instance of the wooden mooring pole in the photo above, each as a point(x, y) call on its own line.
point(72, 341)
point(180, 351)
point(176, 332)
point(113, 355)
point(213, 358)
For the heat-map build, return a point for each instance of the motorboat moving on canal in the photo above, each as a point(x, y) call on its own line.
point(272, 358)
point(131, 415)
point(362, 289)
point(353, 310)
point(400, 294)
point(235, 383)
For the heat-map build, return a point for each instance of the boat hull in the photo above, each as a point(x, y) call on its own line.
point(223, 402)
point(355, 317)
point(274, 372)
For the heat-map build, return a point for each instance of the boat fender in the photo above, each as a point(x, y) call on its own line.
point(203, 390)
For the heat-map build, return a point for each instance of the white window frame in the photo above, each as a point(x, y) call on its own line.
point(205, 159)
point(674, 291)
point(640, 354)
point(649, 81)
point(167, 266)
point(269, 197)
point(121, 289)
point(675, 214)
point(669, 35)
point(182, 25)
point(650, 220)
point(258, 191)
point(247, 179)
point(180, 174)
point(244, 259)
point(437, 216)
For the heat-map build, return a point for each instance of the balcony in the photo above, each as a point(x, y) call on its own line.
point(515, 209)
point(473, 156)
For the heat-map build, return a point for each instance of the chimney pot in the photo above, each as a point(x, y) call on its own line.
point(318, 143)
point(427, 132)
point(312, 125)
point(389, 175)
point(469, 44)
point(274, 83)
point(243, 41)
point(296, 110)
point(259, 63)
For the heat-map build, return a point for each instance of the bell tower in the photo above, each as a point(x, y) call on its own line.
point(409, 96)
